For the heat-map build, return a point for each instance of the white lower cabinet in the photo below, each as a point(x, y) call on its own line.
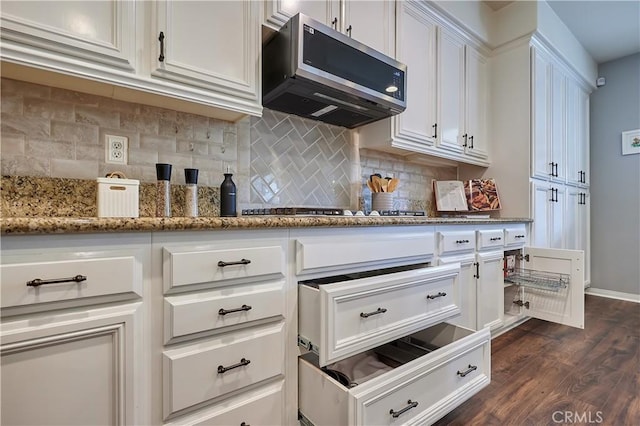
point(489, 278)
point(414, 380)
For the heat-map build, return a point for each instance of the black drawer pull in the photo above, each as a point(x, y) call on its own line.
point(244, 424)
point(376, 312)
point(462, 241)
point(38, 282)
point(495, 239)
point(519, 236)
point(440, 294)
point(242, 363)
point(396, 414)
point(229, 311)
point(469, 370)
point(239, 262)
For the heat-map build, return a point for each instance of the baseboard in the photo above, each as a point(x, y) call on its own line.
point(629, 297)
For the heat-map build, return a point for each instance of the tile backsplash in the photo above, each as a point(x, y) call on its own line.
point(277, 159)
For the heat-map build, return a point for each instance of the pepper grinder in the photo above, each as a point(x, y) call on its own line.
point(228, 196)
point(191, 193)
point(163, 194)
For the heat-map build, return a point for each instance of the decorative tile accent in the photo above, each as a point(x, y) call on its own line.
point(298, 162)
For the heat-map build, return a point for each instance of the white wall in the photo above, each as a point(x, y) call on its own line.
point(615, 179)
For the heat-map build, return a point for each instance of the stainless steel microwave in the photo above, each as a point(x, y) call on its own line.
point(314, 71)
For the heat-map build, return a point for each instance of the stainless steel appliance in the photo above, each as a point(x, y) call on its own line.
point(314, 71)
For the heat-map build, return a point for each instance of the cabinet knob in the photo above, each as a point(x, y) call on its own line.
point(349, 30)
point(334, 23)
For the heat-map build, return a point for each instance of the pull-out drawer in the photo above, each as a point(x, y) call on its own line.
point(343, 318)
point(216, 309)
point(257, 407)
point(357, 250)
point(416, 379)
point(221, 266)
point(48, 280)
point(490, 238)
point(515, 235)
point(456, 241)
point(202, 371)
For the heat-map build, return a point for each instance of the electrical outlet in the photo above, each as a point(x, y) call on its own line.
point(116, 149)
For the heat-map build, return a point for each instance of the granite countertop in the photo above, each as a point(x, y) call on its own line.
point(70, 225)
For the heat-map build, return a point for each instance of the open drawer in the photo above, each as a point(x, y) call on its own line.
point(345, 315)
point(414, 380)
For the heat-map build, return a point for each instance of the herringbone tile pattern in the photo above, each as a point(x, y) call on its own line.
point(298, 162)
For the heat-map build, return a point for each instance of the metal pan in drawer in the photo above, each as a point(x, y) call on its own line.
point(340, 319)
point(456, 364)
point(210, 369)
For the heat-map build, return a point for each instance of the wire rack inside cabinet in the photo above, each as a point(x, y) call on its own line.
point(535, 279)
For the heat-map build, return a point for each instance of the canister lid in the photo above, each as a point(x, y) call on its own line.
point(163, 171)
point(191, 176)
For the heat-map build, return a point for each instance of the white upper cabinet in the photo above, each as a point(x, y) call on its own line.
point(278, 12)
point(371, 23)
point(477, 81)
point(96, 33)
point(208, 61)
point(577, 135)
point(226, 64)
point(541, 166)
point(451, 100)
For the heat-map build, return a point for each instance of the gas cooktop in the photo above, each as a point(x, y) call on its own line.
point(323, 211)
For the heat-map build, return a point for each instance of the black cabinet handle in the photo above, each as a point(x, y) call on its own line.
point(462, 241)
point(555, 167)
point(244, 424)
point(465, 136)
point(552, 174)
point(477, 265)
point(334, 23)
point(229, 311)
point(396, 414)
point(495, 238)
point(435, 130)
point(349, 30)
point(467, 371)
point(471, 140)
point(435, 296)
point(38, 282)
point(376, 312)
point(519, 236)
point(161, 39)
point(243, 362)
point(239, 262)
point(554, 195)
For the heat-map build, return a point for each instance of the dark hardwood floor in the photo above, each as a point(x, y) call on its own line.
point(548, 374)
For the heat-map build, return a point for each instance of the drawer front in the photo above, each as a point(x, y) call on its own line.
point(93, 277)
point(324, 254)
point(202, 371)
point(515, 236)
point(258, 407)
point(232, 306)
point(456, 241)
point(364, 313)
point(435, 383)
point(490, 238)
point(221, 266)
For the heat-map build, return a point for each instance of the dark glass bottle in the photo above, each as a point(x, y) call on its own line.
point(228, 197)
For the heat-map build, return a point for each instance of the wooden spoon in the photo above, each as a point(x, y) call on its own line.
point(377, 183)
point(393, 184)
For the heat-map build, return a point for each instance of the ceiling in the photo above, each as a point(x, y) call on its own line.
point(608, 30)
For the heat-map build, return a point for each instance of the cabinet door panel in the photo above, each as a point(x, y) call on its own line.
point(490, 289)
point(371, 23)
point(229, 31)
point(75, 370)
point(477, 77)
point(415, 47)
point(565, 306)
point(451, 99)
point(541, 105)
point(466, 288)
point(102, 32)
point(558, 124)
point(278, 12)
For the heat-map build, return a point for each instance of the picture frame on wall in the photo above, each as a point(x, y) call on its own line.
point(631, 142)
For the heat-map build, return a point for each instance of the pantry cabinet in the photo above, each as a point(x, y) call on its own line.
point(445, 116)
point(141, 52)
